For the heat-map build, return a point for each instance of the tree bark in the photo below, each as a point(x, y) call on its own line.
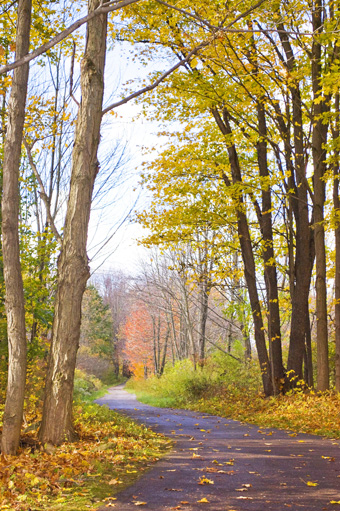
point(336, 203)
point(270, 273)
point(319, 139)
point(15, 305)
point(299, 201)
point(73, 270)
point(247, 256)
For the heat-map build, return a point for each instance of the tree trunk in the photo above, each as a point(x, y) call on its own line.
point(299, 201)
point(270, 274)
point(247, 256)
point(15, 306)
point(73, 270)
point(336, 203)
point(203, 305)
point(309, 379)
point(319, 139)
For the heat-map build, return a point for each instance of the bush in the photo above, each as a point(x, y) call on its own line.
point(85, 384)
point(221, 375)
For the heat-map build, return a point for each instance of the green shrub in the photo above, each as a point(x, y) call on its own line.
point(85, 384)
point(221, 374)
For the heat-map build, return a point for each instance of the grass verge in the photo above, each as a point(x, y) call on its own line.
point(238, 397)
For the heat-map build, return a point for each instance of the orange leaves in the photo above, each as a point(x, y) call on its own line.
point(138, 332)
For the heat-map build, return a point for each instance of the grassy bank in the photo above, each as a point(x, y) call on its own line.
point(226, 388)
point(111, 453)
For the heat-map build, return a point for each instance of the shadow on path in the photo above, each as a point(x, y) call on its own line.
point(251, 469)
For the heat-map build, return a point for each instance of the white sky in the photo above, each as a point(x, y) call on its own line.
point(122, 251)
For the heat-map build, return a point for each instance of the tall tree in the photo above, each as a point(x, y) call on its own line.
point(15, 306)
point(73, 270)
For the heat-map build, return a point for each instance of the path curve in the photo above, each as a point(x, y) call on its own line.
point(252, 468)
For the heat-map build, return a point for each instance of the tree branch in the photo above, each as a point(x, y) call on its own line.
point(216, 34)
point(103, 9)
point(42, 193)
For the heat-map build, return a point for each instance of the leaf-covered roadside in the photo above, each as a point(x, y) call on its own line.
point(112, 451)
point(230, 392)
point(316, 414)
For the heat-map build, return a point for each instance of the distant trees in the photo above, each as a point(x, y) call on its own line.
point(169, 319)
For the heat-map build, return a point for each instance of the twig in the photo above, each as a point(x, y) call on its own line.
point(42, 193)
point(103, 9)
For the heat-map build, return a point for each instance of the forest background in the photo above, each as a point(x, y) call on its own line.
point(243, 280)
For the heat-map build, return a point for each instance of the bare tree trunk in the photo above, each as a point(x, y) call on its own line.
point(163, 361)
point(203, 306)
point(268, 255)
point(73, 270)
point(309, 379)
point(299, 201)
point(15, 305)
point(336, 203)
point(247, 256)
point(319, 138)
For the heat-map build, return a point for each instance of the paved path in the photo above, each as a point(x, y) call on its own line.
point(252, 469)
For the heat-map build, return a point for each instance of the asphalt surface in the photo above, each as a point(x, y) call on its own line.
point(234, 466)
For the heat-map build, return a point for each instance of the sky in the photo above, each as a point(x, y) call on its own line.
point(134, 132)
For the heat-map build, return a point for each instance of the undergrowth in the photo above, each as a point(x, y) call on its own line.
point(112, 451)
point(232, 389)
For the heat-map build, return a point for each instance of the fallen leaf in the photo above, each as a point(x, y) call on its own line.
point(204, 480)
point(114, 481)
point(139, 503)
point(203, 501)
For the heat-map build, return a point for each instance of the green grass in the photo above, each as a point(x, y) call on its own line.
point(153, 400)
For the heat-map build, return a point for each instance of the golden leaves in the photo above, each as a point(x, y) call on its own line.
point(71, 471)
point(205, 480)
